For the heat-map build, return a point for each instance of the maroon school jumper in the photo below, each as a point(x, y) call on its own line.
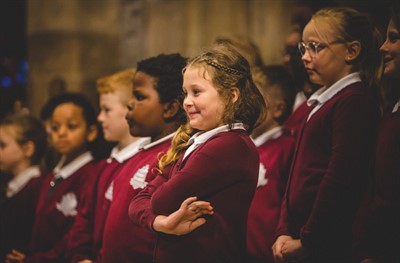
point(295, 120)
point(328, 174)
point(17, 215)
point(123, 240)
point(275, 158)
point(56, 213)
point(86, 235)
point(384, 222)
point(222, 171)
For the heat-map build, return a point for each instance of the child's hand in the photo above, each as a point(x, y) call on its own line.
point(293, 251)
point(277, 247)
point(15, 257)
point(186, 219)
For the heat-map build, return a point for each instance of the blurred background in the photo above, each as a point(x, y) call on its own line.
point(50, 46)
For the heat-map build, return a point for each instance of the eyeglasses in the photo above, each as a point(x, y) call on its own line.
point(314, 47)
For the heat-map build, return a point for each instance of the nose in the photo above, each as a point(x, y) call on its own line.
point(131, 104)
point(62, 131)
point(100, 117)
point(383, 48)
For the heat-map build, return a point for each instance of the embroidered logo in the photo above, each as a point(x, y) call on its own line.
point(139, 178)
point(68, 204)
point(109, 193)
point(262, 179)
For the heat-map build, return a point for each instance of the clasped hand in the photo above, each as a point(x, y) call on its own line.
point(186, 219)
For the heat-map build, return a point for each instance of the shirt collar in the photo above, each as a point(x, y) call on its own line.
point(18, 182)
point(396, 107)
point(129, 151)
point(326, 93)
point(149, 145)
point(69, 169)
point(271, 134)
point(201, 137)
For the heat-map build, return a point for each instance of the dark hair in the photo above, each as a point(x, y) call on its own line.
point(79, 100)
point(228, 69)
point(167, 69)
point(29, 129)
point(279, 78)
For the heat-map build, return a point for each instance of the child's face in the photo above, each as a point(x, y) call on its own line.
point(391, 51)
point(203, 104)
point(69, 130)
point(328, 65)
point(11, 153)
point(112, 116)
point(145, 114)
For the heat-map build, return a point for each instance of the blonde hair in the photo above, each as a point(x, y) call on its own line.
point(352, 25)
point(120, 81)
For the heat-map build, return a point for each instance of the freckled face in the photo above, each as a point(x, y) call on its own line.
point(203, 104)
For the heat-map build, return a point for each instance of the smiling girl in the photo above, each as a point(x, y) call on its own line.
point(218, 165)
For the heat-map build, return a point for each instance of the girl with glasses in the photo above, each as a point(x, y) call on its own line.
point(335, 146)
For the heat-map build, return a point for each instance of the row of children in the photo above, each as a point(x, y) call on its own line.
point(185, 183)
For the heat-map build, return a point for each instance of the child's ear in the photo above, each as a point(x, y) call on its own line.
point(92, 133)
point(171, 109)
point(29, 149)
point(278, 109)
point(235, 94)
point(353, 51)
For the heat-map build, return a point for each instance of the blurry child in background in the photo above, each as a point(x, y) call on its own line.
point(73, 128)
point(115, 92)
point(154, 111)
point(22, 146)
point(383, 224)
point(275, 146)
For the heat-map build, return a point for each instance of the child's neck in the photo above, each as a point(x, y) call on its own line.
point(22, 166)
point(126, 141)
point(70, 157)
point(168, 129)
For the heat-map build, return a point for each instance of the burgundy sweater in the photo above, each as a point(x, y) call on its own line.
point(222, 171)
point(294, 122)
point(329, 173)
point(123, 240)
point(17, 216)
point(51, 229)
point(275, 157)
point(383, 223)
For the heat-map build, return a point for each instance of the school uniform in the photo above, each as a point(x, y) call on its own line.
point(17, 213)
point(59, 201)
point(275, 148)
point(123, 240)
point(221, 167)
point(383, 223)
point(300, 112)
point(330, 170)
point(86, 235)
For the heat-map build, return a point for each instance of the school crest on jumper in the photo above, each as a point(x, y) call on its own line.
point(68, 204)
point(139, 178)
point(109, 193)
point(262, 176)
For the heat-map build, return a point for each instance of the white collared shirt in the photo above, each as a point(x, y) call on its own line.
point(18, 182)
point(396, 107)
point(128, 151)
point(72, 167)
point(271, 134)
point(298, 100)
point(201, 137)
point(321, 96)
point(148, 145)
